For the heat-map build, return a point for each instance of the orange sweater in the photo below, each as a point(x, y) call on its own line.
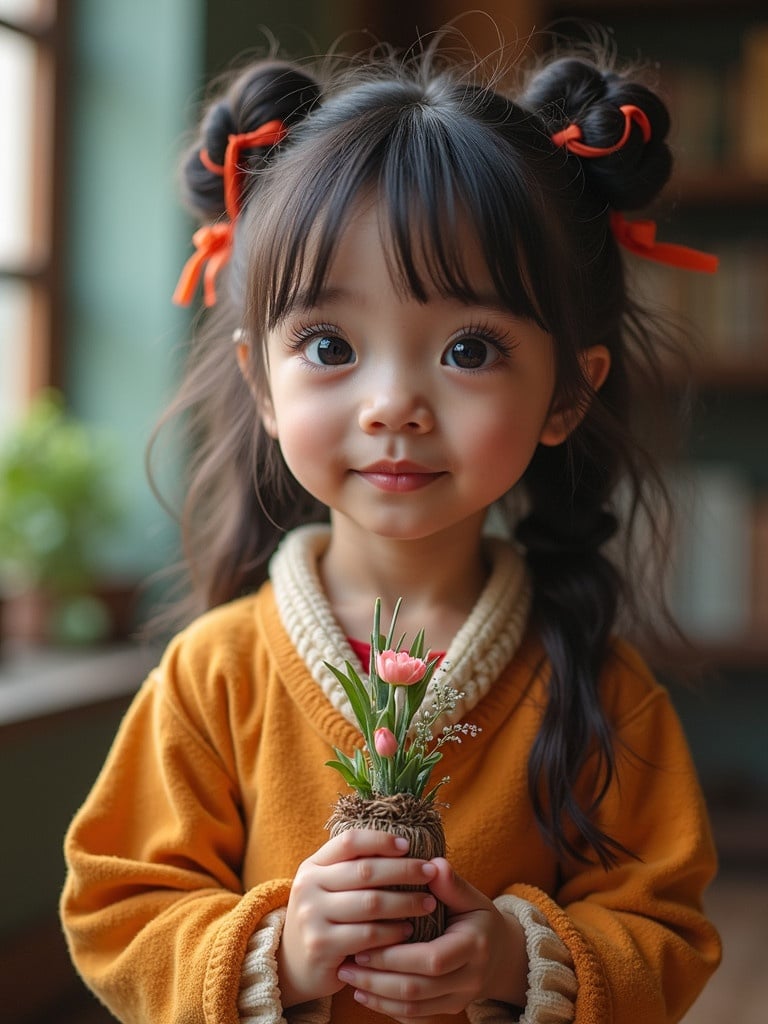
point(215, 790)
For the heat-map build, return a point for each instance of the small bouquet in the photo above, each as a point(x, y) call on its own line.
point(390, 776)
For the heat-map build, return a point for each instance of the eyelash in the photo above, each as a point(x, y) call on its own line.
point(502, 341)
point(299, 335)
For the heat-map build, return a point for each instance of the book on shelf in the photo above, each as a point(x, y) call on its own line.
point(720, 112)
point(696, 98)
point(759, 599)
point(753, 122)
point(717, 587)
point(725, 314)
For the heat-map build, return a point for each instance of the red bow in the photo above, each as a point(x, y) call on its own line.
point(213, 242)
point(213, 246)
point(639, 237)
point(269, 134)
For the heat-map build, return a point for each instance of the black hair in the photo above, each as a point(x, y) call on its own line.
point(434, 145)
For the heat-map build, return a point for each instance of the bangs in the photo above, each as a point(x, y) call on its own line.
point(430, 170)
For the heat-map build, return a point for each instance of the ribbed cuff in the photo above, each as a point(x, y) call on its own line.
point(552, 986)
point(259, 998)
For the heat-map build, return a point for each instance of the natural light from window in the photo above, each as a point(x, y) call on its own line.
point(21, 247)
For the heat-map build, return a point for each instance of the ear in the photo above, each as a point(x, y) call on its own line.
point(563, 419)
point(266, 411)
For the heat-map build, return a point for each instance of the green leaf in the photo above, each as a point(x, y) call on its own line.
point(417, 647)
point(423, 777)
point(414, 697)
point(348, 776)
point(357, 694)
point(430, 796)
point(404, 779)
point(345, 759)
point(360, 765)
point(354, 769)
point(391, 633)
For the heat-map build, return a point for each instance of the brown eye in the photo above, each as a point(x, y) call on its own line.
point(329, 350)
point(470, 354)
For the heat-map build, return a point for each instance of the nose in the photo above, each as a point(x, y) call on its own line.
point(396, 406)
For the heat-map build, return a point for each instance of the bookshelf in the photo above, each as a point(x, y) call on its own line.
point(710, 60)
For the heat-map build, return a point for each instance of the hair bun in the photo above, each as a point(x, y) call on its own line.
point(266, 91)
point(573, 90)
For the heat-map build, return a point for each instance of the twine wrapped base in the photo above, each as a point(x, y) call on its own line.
point(404, 815)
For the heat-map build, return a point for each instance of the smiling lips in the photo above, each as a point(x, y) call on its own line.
point(398, 476)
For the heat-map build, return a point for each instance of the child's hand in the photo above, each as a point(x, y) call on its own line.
point(482, 955)
point(340, 905)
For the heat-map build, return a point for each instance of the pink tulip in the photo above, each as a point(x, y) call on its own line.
point(385, 742)
point(399, 668)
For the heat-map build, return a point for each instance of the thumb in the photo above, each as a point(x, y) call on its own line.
point(454, 891)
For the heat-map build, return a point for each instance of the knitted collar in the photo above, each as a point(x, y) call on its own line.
point(479, 651)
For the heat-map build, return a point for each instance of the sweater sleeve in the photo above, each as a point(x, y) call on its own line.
point(153, 906)
point(641, 946)
point(259, 1001)
point(551, 992)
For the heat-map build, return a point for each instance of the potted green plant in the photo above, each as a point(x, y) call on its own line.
point(56, 504)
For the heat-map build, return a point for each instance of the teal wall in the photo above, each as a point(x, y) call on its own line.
point(136, 71)
point(139, 70)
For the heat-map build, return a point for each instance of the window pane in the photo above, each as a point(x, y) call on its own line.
point(17, 94)
point(15, 312)
point(21, 10)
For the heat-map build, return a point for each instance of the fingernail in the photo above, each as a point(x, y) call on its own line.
point(402, 843)
point(361, 997)
point(362, 958)
point(345, 974)
point(429, 903)
point(428, 869)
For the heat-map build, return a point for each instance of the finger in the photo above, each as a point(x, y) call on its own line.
point(455, 892)
point(360, 842)
point(378, 905)
point(405, 995)
point(376, 872)
point(440, 957)
point(346, 940)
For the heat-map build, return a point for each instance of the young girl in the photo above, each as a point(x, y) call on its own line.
point(419, 311)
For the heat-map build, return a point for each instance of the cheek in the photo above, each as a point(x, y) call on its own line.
point(506, 435)
point(307, 433)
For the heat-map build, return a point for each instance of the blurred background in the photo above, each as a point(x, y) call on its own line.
point(96, 97)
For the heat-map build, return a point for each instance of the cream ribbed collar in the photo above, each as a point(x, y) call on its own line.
point(476, 656)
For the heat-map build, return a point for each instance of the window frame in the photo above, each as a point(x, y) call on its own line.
point(43, 272)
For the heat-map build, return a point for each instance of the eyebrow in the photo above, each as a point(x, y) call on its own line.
point(304, 301)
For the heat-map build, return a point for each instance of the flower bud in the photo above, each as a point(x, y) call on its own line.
point(385, 742)
point(399, 669)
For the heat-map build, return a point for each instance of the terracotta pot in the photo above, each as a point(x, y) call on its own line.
point(36, 616)
point(404, 815)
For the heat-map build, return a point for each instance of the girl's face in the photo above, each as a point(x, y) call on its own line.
point(407, 419)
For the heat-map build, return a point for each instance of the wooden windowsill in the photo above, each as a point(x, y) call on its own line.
point(36, 682)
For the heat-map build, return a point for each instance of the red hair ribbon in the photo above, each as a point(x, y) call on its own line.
point(268, 134)
point(570, 135)
point(213, 242)
point(639, 237)
point(213, 245)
